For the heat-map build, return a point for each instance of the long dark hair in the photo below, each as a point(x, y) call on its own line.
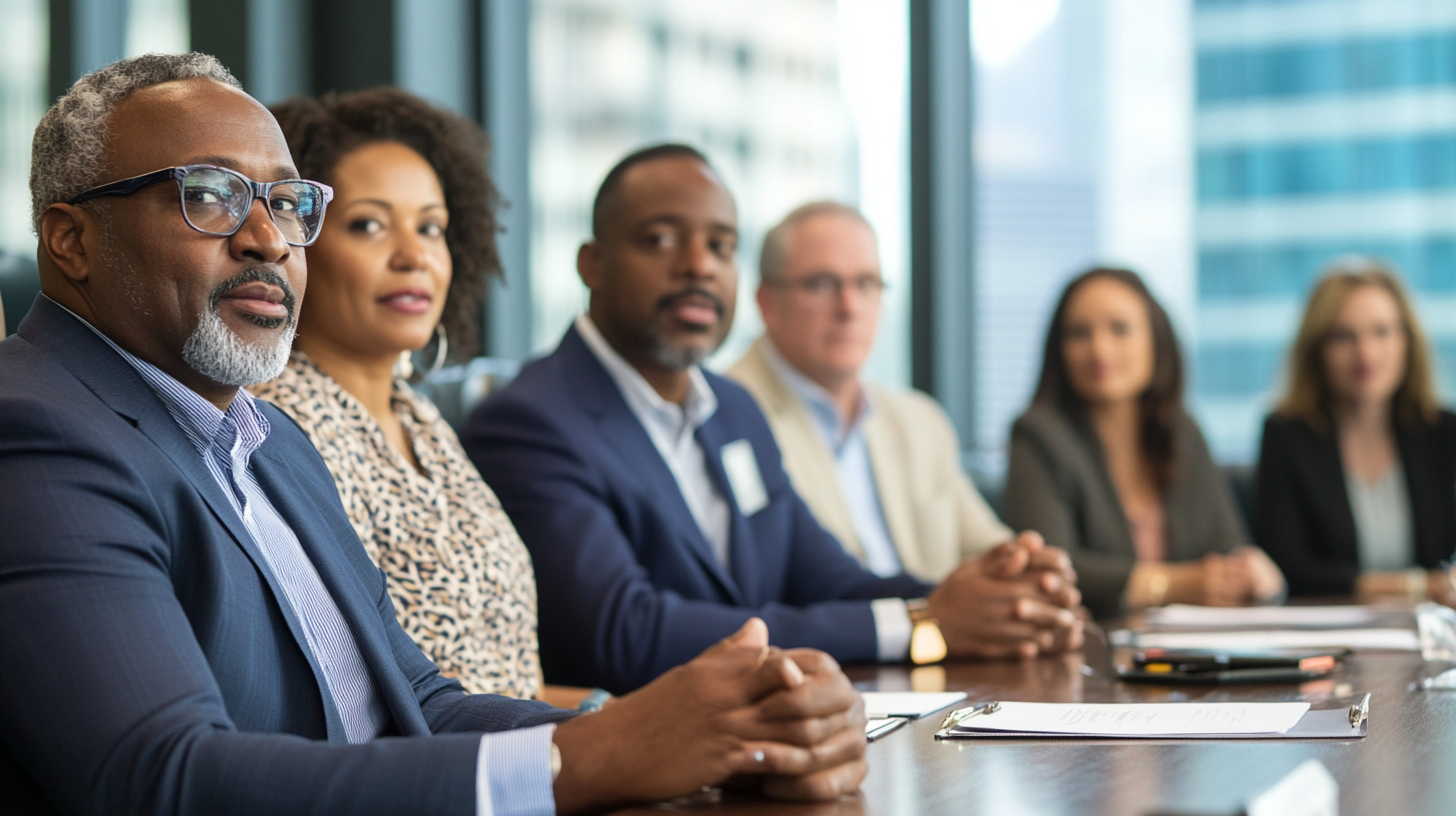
point(1161, 404)
point(320, 132)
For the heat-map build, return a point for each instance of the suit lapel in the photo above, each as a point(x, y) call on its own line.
point(893, 485)
point(741, 557)
point(623, 433)
point(298, 501)
point(813, 459)
point(122, 389)
point(1336, 499)
point(1415, 461)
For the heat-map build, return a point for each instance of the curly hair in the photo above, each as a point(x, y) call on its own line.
point(320, 132)
point(68, 153)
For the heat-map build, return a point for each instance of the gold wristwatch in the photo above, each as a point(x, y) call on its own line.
point(927, 644)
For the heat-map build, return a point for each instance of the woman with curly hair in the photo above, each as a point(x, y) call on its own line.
point(401, 265)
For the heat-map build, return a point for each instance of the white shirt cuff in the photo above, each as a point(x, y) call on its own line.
point(892, 629)
point(513, 773)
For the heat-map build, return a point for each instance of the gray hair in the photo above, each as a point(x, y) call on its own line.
point(775, 250)
point(68, 154)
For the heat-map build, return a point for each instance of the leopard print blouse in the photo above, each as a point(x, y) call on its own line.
point(460, 577)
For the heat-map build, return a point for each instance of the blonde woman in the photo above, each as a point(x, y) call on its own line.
point(1357, 470)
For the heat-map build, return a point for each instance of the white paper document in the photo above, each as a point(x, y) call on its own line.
point(1139, 719)
point(909, 703)
point(1400, 640)
point(1223, 617)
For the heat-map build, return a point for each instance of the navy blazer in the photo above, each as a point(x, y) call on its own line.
point(628, 584)
point(146, 662)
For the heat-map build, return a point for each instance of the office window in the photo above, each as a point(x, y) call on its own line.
point(793, 100)
point(151, 25)
point(1228, 150)
point(22, 102)
point(1322, 128)
point(156, 25)
point(1082, 151)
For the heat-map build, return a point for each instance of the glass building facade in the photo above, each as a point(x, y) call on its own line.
point(1322, 127)
point(793, 100)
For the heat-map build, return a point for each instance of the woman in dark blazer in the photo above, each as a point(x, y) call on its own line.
point(1107, 464)
point(1357, 470)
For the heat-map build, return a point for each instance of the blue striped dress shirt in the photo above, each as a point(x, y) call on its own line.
point(513, 768)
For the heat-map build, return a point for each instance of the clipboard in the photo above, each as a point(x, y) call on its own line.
point(1339, 718)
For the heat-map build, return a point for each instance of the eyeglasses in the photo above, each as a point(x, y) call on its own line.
point(826, 286)
point(216, 200)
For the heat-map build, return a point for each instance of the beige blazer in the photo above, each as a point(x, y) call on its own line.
point(935, 516)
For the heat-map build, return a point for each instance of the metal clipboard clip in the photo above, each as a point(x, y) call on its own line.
point(1360, 712)
point(962, 714)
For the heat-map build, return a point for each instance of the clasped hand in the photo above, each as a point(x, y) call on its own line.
point(1018, 599)
point(785, 721)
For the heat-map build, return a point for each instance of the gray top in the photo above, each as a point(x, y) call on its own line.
point(1058, 484)
point(1384, 535)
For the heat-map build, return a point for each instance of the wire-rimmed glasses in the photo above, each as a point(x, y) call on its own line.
point(216, 200)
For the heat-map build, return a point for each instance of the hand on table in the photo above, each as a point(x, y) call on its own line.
point(1440, 587)
point(1244, 576)
point(787, 719)
point(1018, 599)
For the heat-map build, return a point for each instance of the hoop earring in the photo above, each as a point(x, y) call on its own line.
point(442, 349)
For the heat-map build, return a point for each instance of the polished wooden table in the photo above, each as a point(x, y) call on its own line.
point(1406, 766)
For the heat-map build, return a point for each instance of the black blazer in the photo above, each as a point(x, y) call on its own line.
point(1302, 510)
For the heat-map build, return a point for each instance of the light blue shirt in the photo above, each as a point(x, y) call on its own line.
point(846, 442)
point(513, 768)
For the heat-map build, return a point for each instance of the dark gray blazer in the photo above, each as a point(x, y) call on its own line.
point(146, 663)
point(1058, 484)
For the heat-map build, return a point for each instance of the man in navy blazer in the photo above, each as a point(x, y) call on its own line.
point(190, 624)
point(651, 493)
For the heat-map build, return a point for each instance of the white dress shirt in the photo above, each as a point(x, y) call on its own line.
point(672, 429)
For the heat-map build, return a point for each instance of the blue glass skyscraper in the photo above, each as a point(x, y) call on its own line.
point(1322, 127)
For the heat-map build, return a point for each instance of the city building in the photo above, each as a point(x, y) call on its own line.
point(1323, 127)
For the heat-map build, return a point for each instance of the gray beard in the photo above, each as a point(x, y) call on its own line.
point(218, 354)
point(675, 358)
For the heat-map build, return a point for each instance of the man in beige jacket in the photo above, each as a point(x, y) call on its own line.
point(880, 469)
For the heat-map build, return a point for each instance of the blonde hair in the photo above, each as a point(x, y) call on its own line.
point(1308, 395)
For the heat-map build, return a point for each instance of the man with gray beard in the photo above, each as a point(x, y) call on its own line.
point(651, 494)
point(188, 621)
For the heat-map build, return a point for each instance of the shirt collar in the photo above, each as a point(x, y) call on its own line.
point(239, 431)
point(642, 398)
point(820, 402)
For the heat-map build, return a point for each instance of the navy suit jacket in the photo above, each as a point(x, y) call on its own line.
point(146, 662)
point(628, 584)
